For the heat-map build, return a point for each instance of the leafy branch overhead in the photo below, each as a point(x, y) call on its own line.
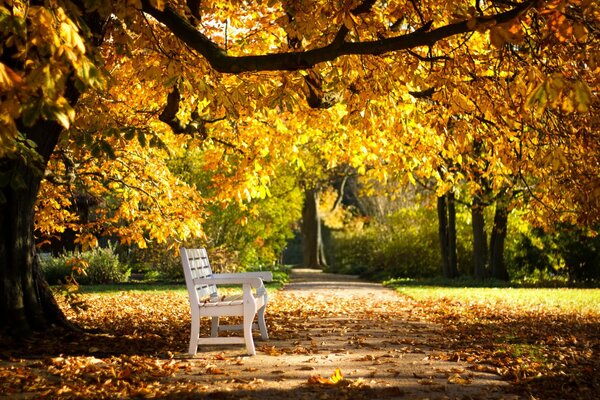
point(426, 35)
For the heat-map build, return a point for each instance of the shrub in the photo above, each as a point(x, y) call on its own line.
point(55, 268)
point(404, 245)
point(101, 265)
point(567, 255)
point(104, 267)
point(157, 261)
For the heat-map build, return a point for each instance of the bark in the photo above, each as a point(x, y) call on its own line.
point(497, 266)
point(442, 210)
point(26, 302)
point(23, 289)
point(312, 239)
point(479, 239)
point(452, 257)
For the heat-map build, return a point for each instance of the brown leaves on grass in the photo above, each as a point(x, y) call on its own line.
point(547, 354)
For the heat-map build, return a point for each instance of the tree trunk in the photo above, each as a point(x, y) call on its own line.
point(497, 265)
point(442, 211)
point(447, 234)
point(452, 257)
point(312, 239)
point(24, 304)
point(479, 239)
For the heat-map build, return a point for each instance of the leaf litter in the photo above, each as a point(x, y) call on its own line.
point(378, 347)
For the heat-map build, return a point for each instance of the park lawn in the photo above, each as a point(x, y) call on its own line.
point(545, 341)
point(563, 300)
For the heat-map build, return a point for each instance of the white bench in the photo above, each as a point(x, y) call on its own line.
point(205, 301)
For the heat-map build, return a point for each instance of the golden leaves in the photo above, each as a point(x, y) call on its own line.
point(49, 51)
point(140, 198)
point(140, 352)
point(557, 91)
point(9, 79)
point(69, 34)
point(506, 33)
point(158, 4)
point(334, 379)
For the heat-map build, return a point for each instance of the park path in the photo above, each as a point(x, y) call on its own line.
point(319, 322)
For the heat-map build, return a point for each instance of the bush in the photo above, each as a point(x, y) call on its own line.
point(157, 261)
point(104, 267)
point(405, 245)
point(55, 269)
point(567, 255)
point(100, 265)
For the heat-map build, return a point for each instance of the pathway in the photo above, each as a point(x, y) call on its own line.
point(320, 322)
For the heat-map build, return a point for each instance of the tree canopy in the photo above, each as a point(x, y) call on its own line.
point(500, 96)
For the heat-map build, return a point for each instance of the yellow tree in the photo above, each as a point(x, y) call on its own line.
point(494, 123)
point(236, 62)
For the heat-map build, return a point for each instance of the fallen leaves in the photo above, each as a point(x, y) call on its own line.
point(334, 379)
point(139, 352)
point(544, 352)
point(459, 379)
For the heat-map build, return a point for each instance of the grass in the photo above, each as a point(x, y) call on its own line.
point(134, 287)
point(280, 277)
point(582, 301)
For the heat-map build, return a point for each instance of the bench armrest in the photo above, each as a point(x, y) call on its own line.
point(253, 281)
point(266, 276)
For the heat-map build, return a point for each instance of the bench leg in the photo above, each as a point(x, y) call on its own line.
point(214, 327)
point(194, 335)
point(248, 319)
point(264, 335)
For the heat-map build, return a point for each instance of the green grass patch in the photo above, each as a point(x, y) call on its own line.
point(134, 287)
point(566, 300)
point(280, 277)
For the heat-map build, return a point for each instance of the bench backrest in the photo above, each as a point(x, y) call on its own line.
point(196, 265)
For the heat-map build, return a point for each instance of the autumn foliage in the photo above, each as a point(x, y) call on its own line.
point(494, 103)
point(494, 109)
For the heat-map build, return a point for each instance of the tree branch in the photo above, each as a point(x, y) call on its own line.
point(297, 60)
point(340, 194)
point(423, 94)
point(428, 59)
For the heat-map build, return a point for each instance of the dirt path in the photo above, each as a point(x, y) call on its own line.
point(324, 321)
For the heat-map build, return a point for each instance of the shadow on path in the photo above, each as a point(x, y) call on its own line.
point(302, 279)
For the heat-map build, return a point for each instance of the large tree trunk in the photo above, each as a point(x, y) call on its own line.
point(25, 301)
point(447, 234)
point(312, 238)
point(497, 265)
point(479, 239)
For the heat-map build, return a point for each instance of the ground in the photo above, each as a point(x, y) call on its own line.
point(369, 332)
point(331, 337)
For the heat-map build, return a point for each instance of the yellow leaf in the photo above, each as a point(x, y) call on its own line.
point(580, 32)
point(8, 78)
point(499, 36)
point(337, 376)
point(583, 96)
point(459, 380)
point(332, 380)
point(158, 4)
point(350, 21)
